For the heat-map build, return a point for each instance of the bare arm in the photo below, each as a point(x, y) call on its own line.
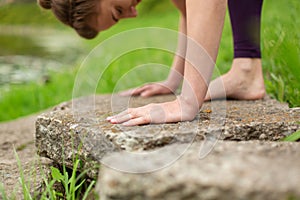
point(177, 70)
point(205, 21)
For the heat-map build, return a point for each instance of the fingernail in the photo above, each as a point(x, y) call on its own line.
point(114, 121)
point(109, 118)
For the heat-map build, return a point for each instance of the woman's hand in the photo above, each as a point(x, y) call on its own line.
point(150, 89)
point(174, 111)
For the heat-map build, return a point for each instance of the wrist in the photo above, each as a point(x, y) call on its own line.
point(190, 108)
point(171, 85)
point(174, 79)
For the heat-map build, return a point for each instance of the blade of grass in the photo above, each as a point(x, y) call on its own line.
point(49, 190)
point(26, 193)
point(72, 180)
point(88, 190)
point(2, 192)
point(79, 185)
point(293, 137)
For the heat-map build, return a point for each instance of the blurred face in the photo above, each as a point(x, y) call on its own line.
point(109, 12)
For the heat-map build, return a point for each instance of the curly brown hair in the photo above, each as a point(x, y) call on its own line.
point(74, 13)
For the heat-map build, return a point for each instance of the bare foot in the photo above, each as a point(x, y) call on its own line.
point(244, 81)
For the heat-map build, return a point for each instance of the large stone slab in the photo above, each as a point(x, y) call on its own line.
point(80, 128)
point(233, 170)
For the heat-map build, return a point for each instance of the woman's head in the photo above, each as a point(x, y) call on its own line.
point(88, 17)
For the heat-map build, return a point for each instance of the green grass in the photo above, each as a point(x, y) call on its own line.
point(280, 45)
point(28, 14)
point(29, 98)
point(281, 50)
point(115, 80)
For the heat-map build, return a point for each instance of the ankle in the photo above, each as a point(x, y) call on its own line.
point(247, 65)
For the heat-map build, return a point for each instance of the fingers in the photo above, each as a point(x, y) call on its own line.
point(133, 92)
point(121, 119)
point(155, 90)
point(137, 121)
point(149, 92)
point(130, 117)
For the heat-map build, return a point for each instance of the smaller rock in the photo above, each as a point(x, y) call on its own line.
point(233, 170)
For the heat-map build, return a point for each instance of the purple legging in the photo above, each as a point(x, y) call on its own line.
point(245, 22)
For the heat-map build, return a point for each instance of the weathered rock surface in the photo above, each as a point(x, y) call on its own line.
point(66, 131)
point(233, 170)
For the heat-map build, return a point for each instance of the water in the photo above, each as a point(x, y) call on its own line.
point(30, 55)
point(22, 69)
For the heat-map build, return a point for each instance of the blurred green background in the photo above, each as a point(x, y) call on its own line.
point(40, 57)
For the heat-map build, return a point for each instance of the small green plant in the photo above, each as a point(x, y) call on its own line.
point(72, 185)
point(75, 186)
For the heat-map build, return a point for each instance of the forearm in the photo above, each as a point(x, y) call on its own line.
point(205, 21)
point(177, 71)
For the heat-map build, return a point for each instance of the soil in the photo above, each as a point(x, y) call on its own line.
point(19, 135)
